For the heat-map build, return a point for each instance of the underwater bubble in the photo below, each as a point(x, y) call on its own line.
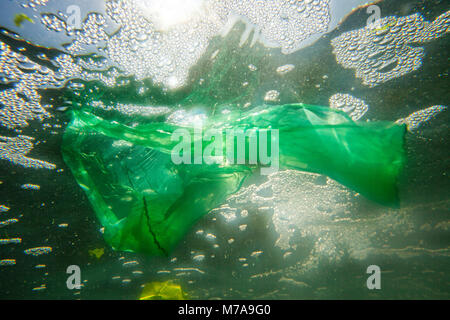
point(243, 227)
point(10, 241)
point(416, 119)
point(7, 262)
point(38, 251)
point(8, 222)
point(131, 263)
point(198, 257)
point(15, 149)
point(256, 254)
point(29, 186)
point(354, 107)
point(53, 22)
point(285, 69)
point(371, 61)
point(272, 96)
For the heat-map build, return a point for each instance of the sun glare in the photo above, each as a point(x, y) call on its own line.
point(167, 13)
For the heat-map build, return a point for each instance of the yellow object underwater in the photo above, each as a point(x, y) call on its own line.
point(97, 252)
point(166, 290)
point(20, 18)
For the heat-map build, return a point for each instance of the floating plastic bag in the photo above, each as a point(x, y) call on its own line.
point(147, 203)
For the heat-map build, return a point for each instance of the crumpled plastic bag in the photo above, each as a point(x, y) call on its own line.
point(147, 203)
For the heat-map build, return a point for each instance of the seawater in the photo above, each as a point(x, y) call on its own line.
point(290, 235)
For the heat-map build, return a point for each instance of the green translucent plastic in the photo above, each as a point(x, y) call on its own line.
point(147, 204)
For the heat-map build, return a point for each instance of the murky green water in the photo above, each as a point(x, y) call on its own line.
point(290, 235)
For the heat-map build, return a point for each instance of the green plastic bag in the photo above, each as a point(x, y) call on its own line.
point(147, 203)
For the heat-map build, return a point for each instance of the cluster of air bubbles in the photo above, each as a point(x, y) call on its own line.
point(314, 222)
point(21, 100)
point(252, 67)
point(147, 52)
point(21, 103)
point(388, 51)
point(53, 23)
point(131, 270)
point(282, 23)
point(183, 117)
point(282, 70)
point(133, 110)
point(30, 186)
point(309, 219)
point(416, 119)
point(296, 189)
point(272, 96)
point(15, 150)
point(10, 241)
point(7, 262)
point(92, 32)
point(354, 107)
point(163, 43)
point(34, 3)
point(8, 222)
point(92, 63)
point(38, 251)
